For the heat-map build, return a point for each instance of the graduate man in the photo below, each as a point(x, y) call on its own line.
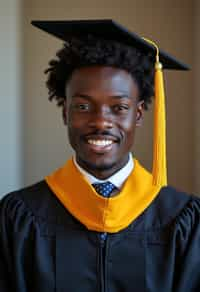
point(101, 222)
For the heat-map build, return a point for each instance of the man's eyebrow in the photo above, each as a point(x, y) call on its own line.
point(117, 96)
point(123, 95)
point(81, 95)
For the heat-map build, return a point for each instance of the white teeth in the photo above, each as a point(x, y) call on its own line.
point(100, 142)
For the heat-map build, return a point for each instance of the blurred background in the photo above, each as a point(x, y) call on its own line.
point(33, 139)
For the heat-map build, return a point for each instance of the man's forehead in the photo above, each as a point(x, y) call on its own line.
point(112, 80)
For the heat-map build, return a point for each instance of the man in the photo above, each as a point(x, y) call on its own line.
point(100, 223)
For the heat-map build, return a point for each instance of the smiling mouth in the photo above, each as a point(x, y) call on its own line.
point(100, 146)
point(100, 143)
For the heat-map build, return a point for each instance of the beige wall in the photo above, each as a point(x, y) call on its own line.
point(170, 22)
point(10, 96)
point(44, 146)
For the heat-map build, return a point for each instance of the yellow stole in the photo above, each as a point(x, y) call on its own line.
point(96, 212)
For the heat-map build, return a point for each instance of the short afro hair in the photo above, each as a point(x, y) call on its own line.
point(90, 51)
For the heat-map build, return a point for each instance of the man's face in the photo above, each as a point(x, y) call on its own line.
point(102, 111)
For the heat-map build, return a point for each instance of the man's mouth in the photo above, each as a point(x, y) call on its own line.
point(100, 143)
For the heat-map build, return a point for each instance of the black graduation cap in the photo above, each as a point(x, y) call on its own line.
point(108, 30)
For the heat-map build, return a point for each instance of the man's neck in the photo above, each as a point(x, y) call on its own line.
point(118, 178)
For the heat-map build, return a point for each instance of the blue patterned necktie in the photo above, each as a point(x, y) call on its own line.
point(104, 189)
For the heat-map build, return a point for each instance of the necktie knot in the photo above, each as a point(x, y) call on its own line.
point(104, 189)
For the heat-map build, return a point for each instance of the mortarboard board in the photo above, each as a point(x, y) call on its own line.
point(108, 29)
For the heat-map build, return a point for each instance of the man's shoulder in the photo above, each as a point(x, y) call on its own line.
point(37, 199)
point(169, 206)
point(37, 205)
point(32, 193)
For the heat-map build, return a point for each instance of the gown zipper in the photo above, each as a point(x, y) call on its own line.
point(103, 238)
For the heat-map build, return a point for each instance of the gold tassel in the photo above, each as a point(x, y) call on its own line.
point(159, 170)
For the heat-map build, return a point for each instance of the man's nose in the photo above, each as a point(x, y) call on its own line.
point(101, 119)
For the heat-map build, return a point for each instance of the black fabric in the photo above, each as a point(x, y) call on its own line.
point(44, 249)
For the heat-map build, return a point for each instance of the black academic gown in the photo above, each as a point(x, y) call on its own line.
point(44, 249)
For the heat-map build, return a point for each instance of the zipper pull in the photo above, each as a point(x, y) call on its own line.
point(103, 237)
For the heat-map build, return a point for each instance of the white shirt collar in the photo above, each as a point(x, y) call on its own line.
point(117, 179)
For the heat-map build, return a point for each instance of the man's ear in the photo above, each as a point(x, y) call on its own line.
point(139, 113)
point(64, 112)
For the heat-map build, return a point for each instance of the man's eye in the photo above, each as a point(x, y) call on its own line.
point(82, 106)
point(121, 108)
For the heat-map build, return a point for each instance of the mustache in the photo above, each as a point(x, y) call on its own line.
point(103, 133)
